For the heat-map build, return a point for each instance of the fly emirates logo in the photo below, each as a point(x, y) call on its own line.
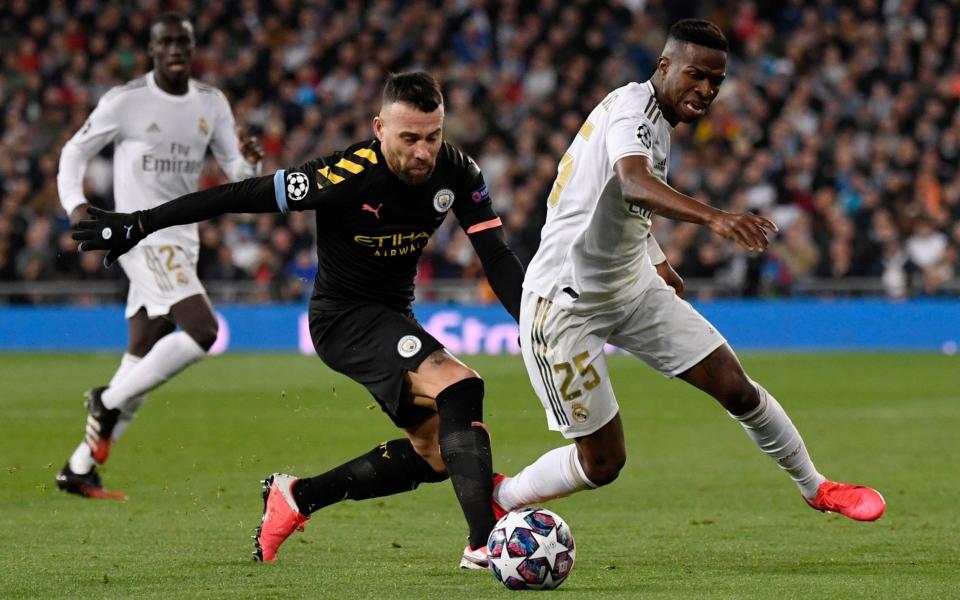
point(394, 244)
point(179, 161)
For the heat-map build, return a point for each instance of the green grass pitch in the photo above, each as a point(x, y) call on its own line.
point(697, 513)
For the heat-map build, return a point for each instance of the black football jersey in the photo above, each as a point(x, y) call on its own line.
point(371, 226)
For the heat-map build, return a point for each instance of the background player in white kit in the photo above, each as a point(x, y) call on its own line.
point(161, 125)
point(592, 282)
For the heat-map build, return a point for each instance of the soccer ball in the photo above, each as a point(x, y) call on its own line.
point(531, 549)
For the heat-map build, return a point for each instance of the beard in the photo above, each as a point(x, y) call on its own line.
point(415, 178)
point(411, 177)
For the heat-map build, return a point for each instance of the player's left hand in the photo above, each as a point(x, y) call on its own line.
point(250, 146)
point(670, 276)
point(750, 231)
point(114, 232)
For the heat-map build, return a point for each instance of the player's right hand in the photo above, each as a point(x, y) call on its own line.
point(114, 232)
point(748, 230)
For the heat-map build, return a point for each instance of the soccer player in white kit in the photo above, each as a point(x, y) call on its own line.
point(592, 282)
point(161, 125)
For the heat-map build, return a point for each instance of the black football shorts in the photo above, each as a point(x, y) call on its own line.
point(375, 346)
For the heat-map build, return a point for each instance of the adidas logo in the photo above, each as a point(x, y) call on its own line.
point(153, 128)
point(661, 165)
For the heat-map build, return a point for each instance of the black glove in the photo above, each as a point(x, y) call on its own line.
point(114, 232)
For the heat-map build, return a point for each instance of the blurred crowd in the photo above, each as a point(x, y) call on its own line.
point(838, 119)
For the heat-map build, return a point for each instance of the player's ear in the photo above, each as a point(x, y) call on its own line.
point(378, 127)
point(663, 65)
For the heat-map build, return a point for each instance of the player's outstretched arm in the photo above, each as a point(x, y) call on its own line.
point(119, 232)
point(641, 187)
point(501, 266)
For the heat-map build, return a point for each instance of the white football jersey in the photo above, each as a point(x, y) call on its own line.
point(160, 143)
point(594, 246)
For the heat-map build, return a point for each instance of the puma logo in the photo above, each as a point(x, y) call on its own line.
point(128, 228)
point(375, 211)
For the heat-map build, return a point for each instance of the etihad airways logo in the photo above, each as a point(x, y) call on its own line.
point(394, 244)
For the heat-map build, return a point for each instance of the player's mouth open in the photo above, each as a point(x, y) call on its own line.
point(695, 108)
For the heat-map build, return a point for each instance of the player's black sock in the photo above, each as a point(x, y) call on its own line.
point(465, 448)
point(390, 468)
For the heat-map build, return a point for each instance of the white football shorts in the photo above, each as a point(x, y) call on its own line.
point(160, 276)
point(564, 352)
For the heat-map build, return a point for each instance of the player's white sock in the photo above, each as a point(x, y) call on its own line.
point(82, 461)
point(772, 431)
point(133, 404)
point(556, 474)
point(172, 354)
point(129, 412)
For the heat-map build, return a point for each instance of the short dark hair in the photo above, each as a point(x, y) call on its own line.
point(699, 32)
point(170, 17)
point(416, 88)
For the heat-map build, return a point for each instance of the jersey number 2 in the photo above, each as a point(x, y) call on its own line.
point(169, 251)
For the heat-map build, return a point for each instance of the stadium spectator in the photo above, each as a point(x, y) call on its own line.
point(841, 110)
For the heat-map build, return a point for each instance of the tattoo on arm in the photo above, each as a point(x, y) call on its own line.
point(438, 358)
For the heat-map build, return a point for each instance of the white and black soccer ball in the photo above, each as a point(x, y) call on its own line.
point(297, 185)
point(531, 549)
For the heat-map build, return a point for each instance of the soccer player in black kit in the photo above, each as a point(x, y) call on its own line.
point(377, 204)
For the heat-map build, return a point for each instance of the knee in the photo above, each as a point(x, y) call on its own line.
point(739, 396)
point(139, 347)
point(459, 381)
point(459, 373)
point(604, 470)
point(205, 333)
